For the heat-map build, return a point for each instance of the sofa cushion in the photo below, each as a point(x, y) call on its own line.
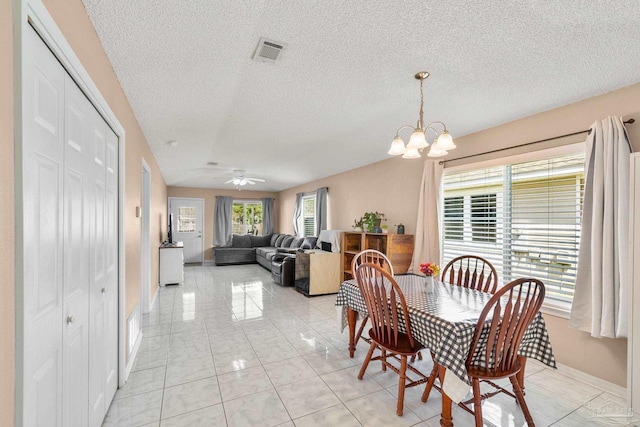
point(224, 256)
point(240, 241)
point(274, 238)
point(286, 242)
point(263, 251)
point(309, 243)
point(296, 242)
point(260, 241)
point(279, 240)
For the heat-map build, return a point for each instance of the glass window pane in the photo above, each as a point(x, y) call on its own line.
point(186, 220)
point(246, 217)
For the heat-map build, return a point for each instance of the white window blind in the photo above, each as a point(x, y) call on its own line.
point(186, 220)
point(523, 218)
point(309, 215)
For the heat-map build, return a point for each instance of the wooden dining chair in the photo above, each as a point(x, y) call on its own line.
point(471, 271)
point(493, 354)
point(374, 257)
point(387, 306)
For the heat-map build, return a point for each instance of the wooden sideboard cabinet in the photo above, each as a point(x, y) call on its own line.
point(397, 247)
point(171, 264)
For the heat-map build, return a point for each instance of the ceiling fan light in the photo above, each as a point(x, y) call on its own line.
point(445, 141)
point(243, 181)
point(418, 139)
point(397, 147)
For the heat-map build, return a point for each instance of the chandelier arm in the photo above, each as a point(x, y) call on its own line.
point(430, 125)
point(404, 127)
point(431, 128)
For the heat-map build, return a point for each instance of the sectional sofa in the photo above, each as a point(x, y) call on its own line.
point(248, 249)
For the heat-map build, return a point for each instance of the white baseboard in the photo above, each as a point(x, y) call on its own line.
point(132, 357)
point(594, 381)
point(152, 306)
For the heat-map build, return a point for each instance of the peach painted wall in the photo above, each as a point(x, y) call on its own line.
point(209, 196)
point(391, 186)
point(7, 285)
point(72, 19)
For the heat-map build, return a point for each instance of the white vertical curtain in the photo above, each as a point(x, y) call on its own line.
point(427, 240)
point(222, 225)
point(600, 299)
point(297, 213)
point(267, 216)
point(321, 209)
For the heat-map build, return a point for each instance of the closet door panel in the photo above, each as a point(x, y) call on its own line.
point(42, 324)
point(77, 217)
point(97, 289)
point(111, 237)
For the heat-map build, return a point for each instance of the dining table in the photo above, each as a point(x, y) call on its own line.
point(443, 318)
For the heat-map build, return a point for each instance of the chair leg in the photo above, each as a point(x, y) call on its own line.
point(413, 358)
point(384, 360)
point(367, 360)
point(362, 325)
point(401, 384)
point(520, 397)
point(477, 401)
point(432, 379)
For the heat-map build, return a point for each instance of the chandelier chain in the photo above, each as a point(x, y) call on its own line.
point(421, 121)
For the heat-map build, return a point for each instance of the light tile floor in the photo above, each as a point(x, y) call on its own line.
point(232, 348)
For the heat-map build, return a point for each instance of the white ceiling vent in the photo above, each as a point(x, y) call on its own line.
point(268, 50)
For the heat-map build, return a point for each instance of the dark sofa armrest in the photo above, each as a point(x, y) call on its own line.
point(286, 251)
point(284, 257)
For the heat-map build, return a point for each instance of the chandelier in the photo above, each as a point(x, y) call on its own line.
point(418, 139)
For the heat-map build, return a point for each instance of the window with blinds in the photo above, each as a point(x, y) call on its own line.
point(309, 215)
point(523, 218)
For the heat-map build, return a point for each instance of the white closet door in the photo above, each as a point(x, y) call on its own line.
point(43, 231)
point(77, 215)
point(97, 287)
point(70, 193)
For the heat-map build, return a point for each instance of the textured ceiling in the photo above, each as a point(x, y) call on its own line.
point(345, 82)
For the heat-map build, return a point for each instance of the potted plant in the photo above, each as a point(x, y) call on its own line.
point(385, 228)
point(357, 224)
point(372, 221)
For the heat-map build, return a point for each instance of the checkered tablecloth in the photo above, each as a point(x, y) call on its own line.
point(444, 320)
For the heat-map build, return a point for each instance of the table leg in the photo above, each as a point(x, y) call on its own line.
point(446, 419)
point(352, 317)
point(520, 375)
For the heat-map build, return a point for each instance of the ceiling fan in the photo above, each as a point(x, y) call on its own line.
point(240, 180)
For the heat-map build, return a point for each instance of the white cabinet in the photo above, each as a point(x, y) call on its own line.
point(171, 264)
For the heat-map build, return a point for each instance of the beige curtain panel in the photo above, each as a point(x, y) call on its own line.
point(600, 300)
point(427, 240)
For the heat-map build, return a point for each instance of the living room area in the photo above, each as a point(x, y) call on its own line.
point(268, 106)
